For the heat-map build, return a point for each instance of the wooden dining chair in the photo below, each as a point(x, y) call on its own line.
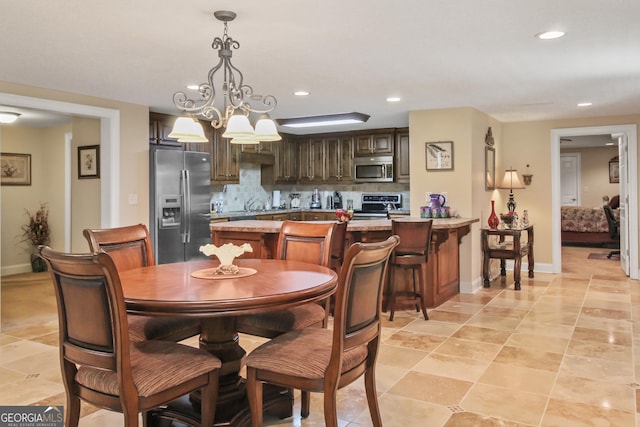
point(130, 247)
point(298, 241)
point(99, 362)
point(324, 360)
point(413, 254)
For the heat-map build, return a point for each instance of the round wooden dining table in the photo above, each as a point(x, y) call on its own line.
point(175, 290)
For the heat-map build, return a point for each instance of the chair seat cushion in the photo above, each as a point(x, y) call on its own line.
point(307, 353)
point(281, 321)
point(155, 366)
point(142, 328)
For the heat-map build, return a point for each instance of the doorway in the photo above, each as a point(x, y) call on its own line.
point(109, 146)
point(628, 190)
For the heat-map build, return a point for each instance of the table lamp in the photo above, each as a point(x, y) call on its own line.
point(510, 181)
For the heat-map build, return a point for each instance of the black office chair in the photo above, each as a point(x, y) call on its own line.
point(614, 229)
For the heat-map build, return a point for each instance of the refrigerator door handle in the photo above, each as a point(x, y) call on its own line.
point(187, 208)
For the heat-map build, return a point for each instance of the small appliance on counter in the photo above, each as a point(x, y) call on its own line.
point(316, 203)
point(295, 200)
point(276, 199)
point(337, 201)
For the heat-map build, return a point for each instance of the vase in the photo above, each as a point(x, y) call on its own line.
point(37, 264)
point(493, 218)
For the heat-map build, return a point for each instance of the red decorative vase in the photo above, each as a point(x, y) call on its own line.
point(493, 218)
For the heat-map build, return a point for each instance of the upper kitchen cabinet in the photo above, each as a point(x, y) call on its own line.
point(378, 143)
point(160, 126)
point(339, 153)
point(263, 147)
point(402, 156)
point(312, 160)
point(225, 158)
point(286, 160)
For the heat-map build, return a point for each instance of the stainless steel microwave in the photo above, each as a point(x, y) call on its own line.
point(373, 169)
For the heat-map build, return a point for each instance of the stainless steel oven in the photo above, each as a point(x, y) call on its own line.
point(373, 169)
point(378, 206)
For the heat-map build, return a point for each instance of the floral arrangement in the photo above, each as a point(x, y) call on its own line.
point(37, 232)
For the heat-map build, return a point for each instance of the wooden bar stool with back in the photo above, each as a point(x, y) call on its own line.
point(412, 253)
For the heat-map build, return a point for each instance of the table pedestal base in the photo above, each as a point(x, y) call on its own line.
point(278, 402)
point(219, 337)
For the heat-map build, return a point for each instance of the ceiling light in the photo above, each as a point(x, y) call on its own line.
point(193, 87)
point(8, 117)
point(393, 99)
point(549, 35)
point(326, 120)
point(301, 93)
point(585, 104)
point(235, 94)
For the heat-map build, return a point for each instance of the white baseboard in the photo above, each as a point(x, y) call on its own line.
point(15, 269)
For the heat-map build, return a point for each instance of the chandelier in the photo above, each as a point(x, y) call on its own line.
point(236, 95)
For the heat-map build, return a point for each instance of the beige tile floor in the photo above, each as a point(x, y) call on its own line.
point(561, 352)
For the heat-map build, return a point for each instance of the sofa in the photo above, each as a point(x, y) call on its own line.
point(585, 225)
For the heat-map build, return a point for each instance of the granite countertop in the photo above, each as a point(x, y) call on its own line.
point(235, 214)
point(266, 226)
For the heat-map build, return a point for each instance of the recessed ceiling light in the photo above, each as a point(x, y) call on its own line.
point(585, 104)
point(325, 120)
point(609, 143)
point(193, 87)
point(549, 35)
point(393, 99)
point(301, 93)
point(8, 117)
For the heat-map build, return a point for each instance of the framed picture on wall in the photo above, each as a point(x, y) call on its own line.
point(614, 171)
point(89, 161)
point(15, 169)
point(439, 155)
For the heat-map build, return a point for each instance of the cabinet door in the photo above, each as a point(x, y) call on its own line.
point(346, 159)
point(286, 156)
point(225, 158)
point(263, 147)
point(382, 143)
point(160, 126)
point(312, 160)
point(339, 159)
point(402, 156)
point(363, 145)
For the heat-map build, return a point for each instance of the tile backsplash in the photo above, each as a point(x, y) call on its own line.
point(235, 197)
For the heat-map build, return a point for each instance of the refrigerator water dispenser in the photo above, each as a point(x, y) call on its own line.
point(170, 208)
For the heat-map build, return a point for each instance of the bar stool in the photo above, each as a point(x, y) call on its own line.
point(412, 253)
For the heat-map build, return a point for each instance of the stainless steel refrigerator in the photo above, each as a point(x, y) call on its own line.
point(179, 199)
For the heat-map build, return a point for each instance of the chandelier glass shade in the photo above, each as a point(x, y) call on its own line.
point(8, 117)
point(187, 129)
point(235, 94)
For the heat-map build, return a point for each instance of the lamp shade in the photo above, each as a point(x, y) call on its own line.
point(188, 129)
point(266, 129)
point(238, 125)
point(245, 139)
point(511, 180)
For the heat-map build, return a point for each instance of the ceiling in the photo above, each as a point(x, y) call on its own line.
point(351, 55)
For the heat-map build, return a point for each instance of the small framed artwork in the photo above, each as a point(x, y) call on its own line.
point(439, 155)
point(15, 169)
point(614, 171)
point(89, 162)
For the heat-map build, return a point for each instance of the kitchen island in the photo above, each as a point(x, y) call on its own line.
point(442, 272)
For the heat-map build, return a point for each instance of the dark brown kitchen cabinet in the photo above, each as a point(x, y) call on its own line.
point(377, 143)
point(225, 159)
point(402, 156)
point(263, 147)
point(339, 153)
point(318, 216)
point(286, 160)
point(160, 126)
point(312, 160)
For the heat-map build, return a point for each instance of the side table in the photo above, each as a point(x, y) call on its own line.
point(508, 246)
